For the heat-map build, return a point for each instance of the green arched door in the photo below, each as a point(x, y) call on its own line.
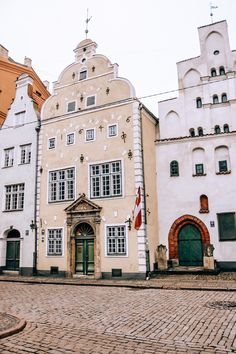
point(190, 246)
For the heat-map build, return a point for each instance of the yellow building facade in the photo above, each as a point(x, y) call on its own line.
point(96, 149)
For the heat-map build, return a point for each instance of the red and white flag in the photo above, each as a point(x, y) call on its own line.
point(137, 210)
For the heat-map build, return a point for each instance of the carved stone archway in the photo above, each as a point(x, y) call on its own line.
point(175, 229)
point(80, 211)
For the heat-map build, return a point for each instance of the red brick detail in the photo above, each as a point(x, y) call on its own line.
point(175, 229)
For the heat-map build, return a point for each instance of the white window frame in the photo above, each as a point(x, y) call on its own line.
point(100, 175)
point(67, 137)
point(57, 182)
point(81, 71)
point(68, 106)
point(62, 242)
point(27, 155)
point(108, 130)
point(94, 135)
point(20, 118)
point(8, 157)
point(55, 140)
point(86, 101)
point(15, 196)
point(116, 255)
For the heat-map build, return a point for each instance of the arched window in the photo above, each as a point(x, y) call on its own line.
point(213, 72)
point(204, 208)
point(198, 159)
point(174, 168)
point(199, 102)
point(217, 129)
point(224, 97)
point(192, 132)
point(222, 161)
point(226, 128)
point(215, 99)
point(13, 234)
point(200, 131)
point(222, 70)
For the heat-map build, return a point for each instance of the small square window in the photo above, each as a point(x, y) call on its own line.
point(83, 75)
point(71, 106)
point(90, 101)
point(90, 135)
point(199, 169)
point(51, 143)
point(70, 139)
point(112, 130)
point(223, 166)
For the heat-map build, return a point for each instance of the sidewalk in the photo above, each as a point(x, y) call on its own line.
point(224, 281)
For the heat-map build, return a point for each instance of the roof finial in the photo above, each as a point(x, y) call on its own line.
point(212, 7)
point(87, 21)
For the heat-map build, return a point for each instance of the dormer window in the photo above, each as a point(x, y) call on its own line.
point(199, 102)
point(83, 75)
point(215, 99)
point(222, 70)
point(224, 97)
point(71, 106)
point(213, 72)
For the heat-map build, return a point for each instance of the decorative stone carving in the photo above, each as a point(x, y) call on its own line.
point(208, 259)
point(208, 250)
point(160, 257)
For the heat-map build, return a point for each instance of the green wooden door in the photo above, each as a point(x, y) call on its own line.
point(84, 256)
point(13, 255)
point(190, 246)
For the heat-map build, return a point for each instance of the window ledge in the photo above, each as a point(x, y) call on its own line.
point(7, 166)
point(203, 211)
point(223, 173)
point(199, 175)
point(174, 175)
point(12, 210)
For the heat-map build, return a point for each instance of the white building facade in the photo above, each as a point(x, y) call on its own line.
point(196, 156)
point(18, 146)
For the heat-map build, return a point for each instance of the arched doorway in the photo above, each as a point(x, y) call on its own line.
point(187, 237)
point(190, 246)
point(84, 249)
point(13, 250)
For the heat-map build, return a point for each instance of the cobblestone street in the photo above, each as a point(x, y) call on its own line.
point(102, 320)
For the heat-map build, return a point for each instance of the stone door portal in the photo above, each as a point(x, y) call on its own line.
point(84, 249)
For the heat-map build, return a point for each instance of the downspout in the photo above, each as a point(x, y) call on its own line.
point(37, 129)
point(144, 197)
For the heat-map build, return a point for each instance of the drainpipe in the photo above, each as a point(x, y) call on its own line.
point(144, 197)
point(34, 226)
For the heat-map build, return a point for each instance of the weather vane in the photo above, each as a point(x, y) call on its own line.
point(87, 21)
point(212, 7)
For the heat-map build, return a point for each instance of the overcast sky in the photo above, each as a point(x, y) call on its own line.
point(146, 38)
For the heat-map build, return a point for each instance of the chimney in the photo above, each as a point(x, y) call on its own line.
point(46, 84)
point(28, 62)
point(3, 52)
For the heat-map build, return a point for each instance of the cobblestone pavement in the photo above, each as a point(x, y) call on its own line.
point(102, 320)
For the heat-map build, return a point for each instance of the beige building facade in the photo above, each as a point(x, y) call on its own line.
point(96, 149)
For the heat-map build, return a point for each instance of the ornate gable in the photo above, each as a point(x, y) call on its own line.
point(82, 205)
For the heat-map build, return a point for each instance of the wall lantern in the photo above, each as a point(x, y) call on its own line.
point(129, 223)
point(130, 154)
point(81, 158)
point(33, 225)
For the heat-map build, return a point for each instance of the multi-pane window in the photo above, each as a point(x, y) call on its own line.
point(227, 226)
point(54, 244)
point(51, 143)
point(174, 168)
point(223, 166)
point(70, 139)
point(106, 180)
point(90, 101)
point(61, 185)
point(71, 106)
point(112, 130)
point(83, 75)
point(14, 197)
point(20, 118)
point(199, 102)
point(116, 240)
point(199, 170)
point(90, 135)
point(8, 157)
point(25, 154)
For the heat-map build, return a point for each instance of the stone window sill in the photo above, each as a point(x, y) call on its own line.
point(199, 175)
point(223, 172)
